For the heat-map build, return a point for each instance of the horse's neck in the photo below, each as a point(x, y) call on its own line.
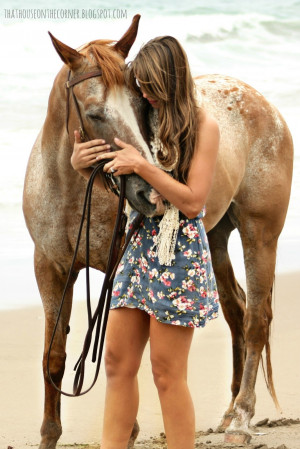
point(55, 145)
point(55, 142)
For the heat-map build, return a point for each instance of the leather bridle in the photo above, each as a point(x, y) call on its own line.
point(98, 320)
point(69, 84)
point(109, 180)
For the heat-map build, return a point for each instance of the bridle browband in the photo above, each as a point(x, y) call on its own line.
point(98, 320)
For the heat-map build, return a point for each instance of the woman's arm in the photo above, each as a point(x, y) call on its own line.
point(188, 198)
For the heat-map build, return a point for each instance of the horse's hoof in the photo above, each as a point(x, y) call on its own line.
point(134, 435)
point(226, 421)
point(47, 445)
point(237, 437)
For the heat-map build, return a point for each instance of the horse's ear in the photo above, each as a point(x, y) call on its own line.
point(68, 55)
point(125, 43)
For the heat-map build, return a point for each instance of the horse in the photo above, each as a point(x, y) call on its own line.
point(250, 193)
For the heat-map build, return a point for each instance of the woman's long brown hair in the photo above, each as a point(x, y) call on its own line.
point(162, 71)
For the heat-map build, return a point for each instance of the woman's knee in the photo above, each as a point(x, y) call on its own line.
point(120, 364)
point(160, 377)
point(166, 374)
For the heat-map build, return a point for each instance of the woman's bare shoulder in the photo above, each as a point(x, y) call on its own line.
point(208, 125)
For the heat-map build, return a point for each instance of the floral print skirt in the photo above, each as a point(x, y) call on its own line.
point(183, 294)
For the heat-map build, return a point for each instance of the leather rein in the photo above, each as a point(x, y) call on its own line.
point(97, 321)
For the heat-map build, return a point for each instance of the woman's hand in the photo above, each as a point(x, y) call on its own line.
point(125, 161)
point(85, 153)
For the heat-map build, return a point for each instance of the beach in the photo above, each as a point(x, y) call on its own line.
point(255, 41)
point(21, 346)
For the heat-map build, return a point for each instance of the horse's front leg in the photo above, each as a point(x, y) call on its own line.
point(51, 284)
point(259, 244)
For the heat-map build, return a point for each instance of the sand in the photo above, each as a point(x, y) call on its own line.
point(21, 346)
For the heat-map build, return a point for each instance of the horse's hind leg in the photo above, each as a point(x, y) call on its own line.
point(259, 239)
point(51, 284)
point(232, 299)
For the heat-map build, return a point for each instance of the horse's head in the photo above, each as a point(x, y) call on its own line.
point(105, 107)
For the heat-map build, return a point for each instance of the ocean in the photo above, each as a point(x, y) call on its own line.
point(257, 41)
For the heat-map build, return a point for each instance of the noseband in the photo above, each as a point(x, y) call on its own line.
point(109, 180)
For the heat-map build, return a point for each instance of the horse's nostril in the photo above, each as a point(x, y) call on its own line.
point(141, 194)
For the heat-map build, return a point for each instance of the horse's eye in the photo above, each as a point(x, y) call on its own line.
point(95, 117)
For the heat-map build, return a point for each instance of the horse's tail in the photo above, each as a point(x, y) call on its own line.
point(268, 372)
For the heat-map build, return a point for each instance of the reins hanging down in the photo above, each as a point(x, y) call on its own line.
point(98, 320)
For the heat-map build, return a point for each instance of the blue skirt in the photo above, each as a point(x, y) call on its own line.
point(183, 294)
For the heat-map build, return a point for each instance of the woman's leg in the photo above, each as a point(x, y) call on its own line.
point(126, 337)
point(170, 347)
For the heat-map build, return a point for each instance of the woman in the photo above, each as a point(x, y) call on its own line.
point(158, 295)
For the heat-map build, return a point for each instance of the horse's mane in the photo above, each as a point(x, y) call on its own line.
point(102, 52)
